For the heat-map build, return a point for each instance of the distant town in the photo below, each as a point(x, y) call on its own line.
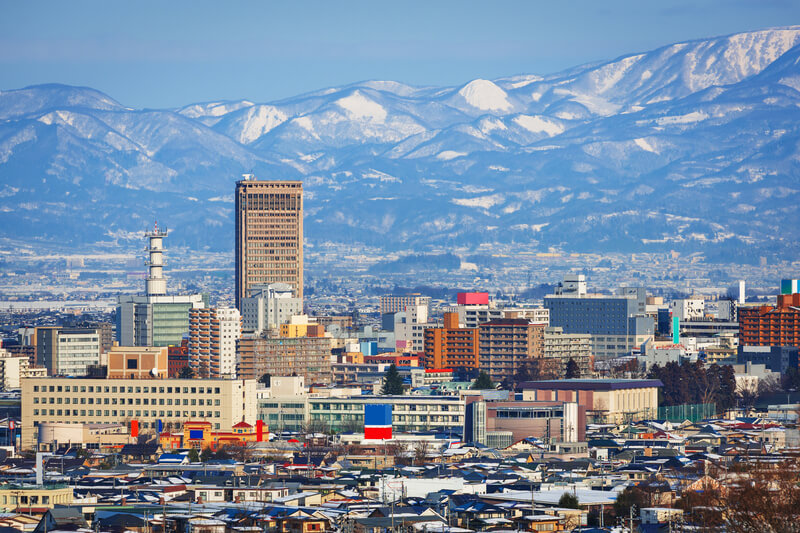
point(290, 389)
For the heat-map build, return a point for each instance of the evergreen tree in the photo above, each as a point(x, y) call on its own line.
point(186, 373)
point(392, 382)
point(194, 457)
point(573, 370)
point(483, 382)
point(569, 501)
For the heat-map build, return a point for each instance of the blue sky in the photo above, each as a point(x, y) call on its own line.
point(164, 54)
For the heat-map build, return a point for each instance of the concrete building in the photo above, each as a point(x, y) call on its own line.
point(67, 351)
point(346, 413)
point(451, 346)
point(14, 368)
point(506, 343)
point(409, 328)
point(688, 308)
point(88, 436)
point(611, 401)
point(269, 235)
point(213, 333)
point(396, 304)
point(614, 322)
point(549, 421)
point(561, 347)
point(155, 318)
point(777, 358)
point(309, 357)
point(268, 307)
point(138, 362)
point(222, 402)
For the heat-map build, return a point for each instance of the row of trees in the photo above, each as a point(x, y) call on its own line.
point(393, 383)
point(695, 383)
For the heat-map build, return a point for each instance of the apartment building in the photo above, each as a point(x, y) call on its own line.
point(309, 357)
point(397, 304)
point(451, 346)
point(506, 343)
point(213, 333)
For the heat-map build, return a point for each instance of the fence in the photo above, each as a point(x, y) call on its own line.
point(689, 411)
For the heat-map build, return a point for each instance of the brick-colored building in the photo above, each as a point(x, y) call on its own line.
point(506, 343)
point(768, 325)
point(451, 346)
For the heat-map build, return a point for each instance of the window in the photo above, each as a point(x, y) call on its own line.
point(133, 364)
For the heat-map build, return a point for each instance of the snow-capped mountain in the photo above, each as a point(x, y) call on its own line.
point(693, 146)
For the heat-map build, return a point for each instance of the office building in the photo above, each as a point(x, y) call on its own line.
point(138, 362)
point(776, 358)
point(507, 343)
point(615, 323)
point(213, 333)
point(269, 235)
point(155, 318)
point(223, 402)
point(67, 351)
point(451, 346)
point(551, 421)
point(268, 307)
point(346, 413)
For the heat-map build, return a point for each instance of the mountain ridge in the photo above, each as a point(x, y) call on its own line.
point(691, 146)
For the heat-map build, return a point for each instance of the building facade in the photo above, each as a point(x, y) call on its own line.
point(223, 402)
point(213, 333)
point(614, 322)
point(768, 325)
point(268, 307)
point(396, 304)
point(67, 351)
point(507, 343)
point(269, 235)
point(451, 346)
point(613, 401)
point(309, 357)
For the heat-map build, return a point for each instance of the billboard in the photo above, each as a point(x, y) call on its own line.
point(377, 421)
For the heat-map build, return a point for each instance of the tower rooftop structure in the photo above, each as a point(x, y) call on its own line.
point(156, 283)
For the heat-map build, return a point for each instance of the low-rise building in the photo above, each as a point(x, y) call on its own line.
point(605, 400)
point(223, 402)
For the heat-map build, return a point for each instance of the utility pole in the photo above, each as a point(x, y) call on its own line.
point(633, 508)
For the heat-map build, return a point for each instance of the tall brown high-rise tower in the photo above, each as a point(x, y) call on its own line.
point(269, 235)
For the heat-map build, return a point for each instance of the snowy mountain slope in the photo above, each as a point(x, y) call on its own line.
point(694, 146)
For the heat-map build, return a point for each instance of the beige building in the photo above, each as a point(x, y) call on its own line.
point(92, 436)
point(22, 497)
point(222, 402)
point(612, 401)
point(560, 347)
point(269, 235)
